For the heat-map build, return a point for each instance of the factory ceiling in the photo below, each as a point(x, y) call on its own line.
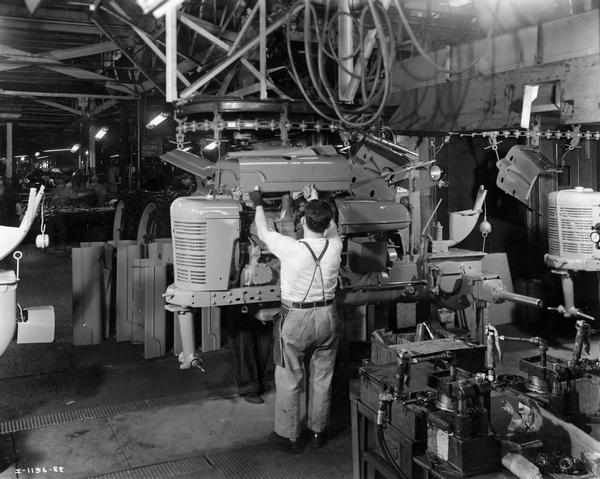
point(64, 61)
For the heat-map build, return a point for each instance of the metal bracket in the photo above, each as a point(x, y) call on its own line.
point(519, 170)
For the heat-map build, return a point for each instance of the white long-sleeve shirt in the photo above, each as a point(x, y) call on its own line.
point(298, 265)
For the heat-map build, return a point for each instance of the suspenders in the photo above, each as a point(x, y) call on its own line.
point(317, 260)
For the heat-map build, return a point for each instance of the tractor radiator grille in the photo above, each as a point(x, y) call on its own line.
point(569, 230)
point(189, 248)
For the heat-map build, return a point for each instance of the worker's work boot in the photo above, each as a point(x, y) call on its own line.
point(253, 398)
point(317, 439)
point(294, 446)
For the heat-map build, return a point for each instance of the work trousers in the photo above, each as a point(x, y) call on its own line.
point(299, 335)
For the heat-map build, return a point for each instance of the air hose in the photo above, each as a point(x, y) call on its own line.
point(381, 414)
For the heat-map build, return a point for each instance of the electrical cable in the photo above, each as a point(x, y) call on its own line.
point(387, 80)
point(374, 85)
point(294, 72)
point(309, 12)
point(379, 434)
point(375, 93)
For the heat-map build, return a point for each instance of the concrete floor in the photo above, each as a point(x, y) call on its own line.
point(103, 411)
point(142, 440)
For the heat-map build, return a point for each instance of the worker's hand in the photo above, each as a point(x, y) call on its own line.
point(310, 193)
point(256, 197)
point(236, 193)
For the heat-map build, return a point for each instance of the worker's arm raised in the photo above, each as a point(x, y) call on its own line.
point(331, 231)
point(260, 220)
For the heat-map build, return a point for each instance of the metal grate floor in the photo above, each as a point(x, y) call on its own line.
point(34, 422)
point(334, 461)
point(258, 461)
point(198, 466)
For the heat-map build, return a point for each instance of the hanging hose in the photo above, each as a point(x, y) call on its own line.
point(375, 94)
point(375, 85)
point(381, 413)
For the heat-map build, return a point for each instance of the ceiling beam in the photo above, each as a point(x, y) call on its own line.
point(239, 53)
point(199, 28)
point(102, 107)
point(171, 67)
point(132, 59)
point(37, 25)
point(148, 41)
point(60, 106)
point(22, 124)
point(56, 66)
point(45, 94)
point(84, 51)
point(184, 67)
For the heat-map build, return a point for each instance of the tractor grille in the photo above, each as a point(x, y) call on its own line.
point(190, 251)
point(569, 230)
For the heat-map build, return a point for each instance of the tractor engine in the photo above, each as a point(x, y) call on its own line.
point(216, 248)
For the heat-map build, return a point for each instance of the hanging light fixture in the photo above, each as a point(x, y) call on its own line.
point(101, 133)
point(157, 120)
point(54, 150)
point(211, 146)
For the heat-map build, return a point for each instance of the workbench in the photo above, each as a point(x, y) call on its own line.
point(431, 469)
point(369, 463)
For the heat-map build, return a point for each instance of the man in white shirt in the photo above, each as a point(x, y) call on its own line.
point(307, 325)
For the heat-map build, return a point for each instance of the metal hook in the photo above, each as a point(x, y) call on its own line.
point(17, 255)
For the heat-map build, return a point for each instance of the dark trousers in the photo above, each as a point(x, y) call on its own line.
point(251, 343)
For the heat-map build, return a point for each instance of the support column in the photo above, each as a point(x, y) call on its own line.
point(91, 161)
point(10, 166)
point(138, 148)
point(262, 15)
point(171, 53)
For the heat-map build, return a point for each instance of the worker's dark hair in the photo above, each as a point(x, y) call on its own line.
point(318, 214)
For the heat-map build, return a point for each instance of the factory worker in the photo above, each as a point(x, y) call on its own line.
point(307, 325)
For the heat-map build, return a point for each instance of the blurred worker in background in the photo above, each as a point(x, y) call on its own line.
point(307, 326)
point(99, 190)
point(11, 211)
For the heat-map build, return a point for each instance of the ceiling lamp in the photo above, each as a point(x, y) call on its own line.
point(211, 146)
point(157, 120)
point(458, 3)
point(101, 133)
point(158, 7)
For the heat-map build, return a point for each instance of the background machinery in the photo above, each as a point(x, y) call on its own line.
point(219, 261)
